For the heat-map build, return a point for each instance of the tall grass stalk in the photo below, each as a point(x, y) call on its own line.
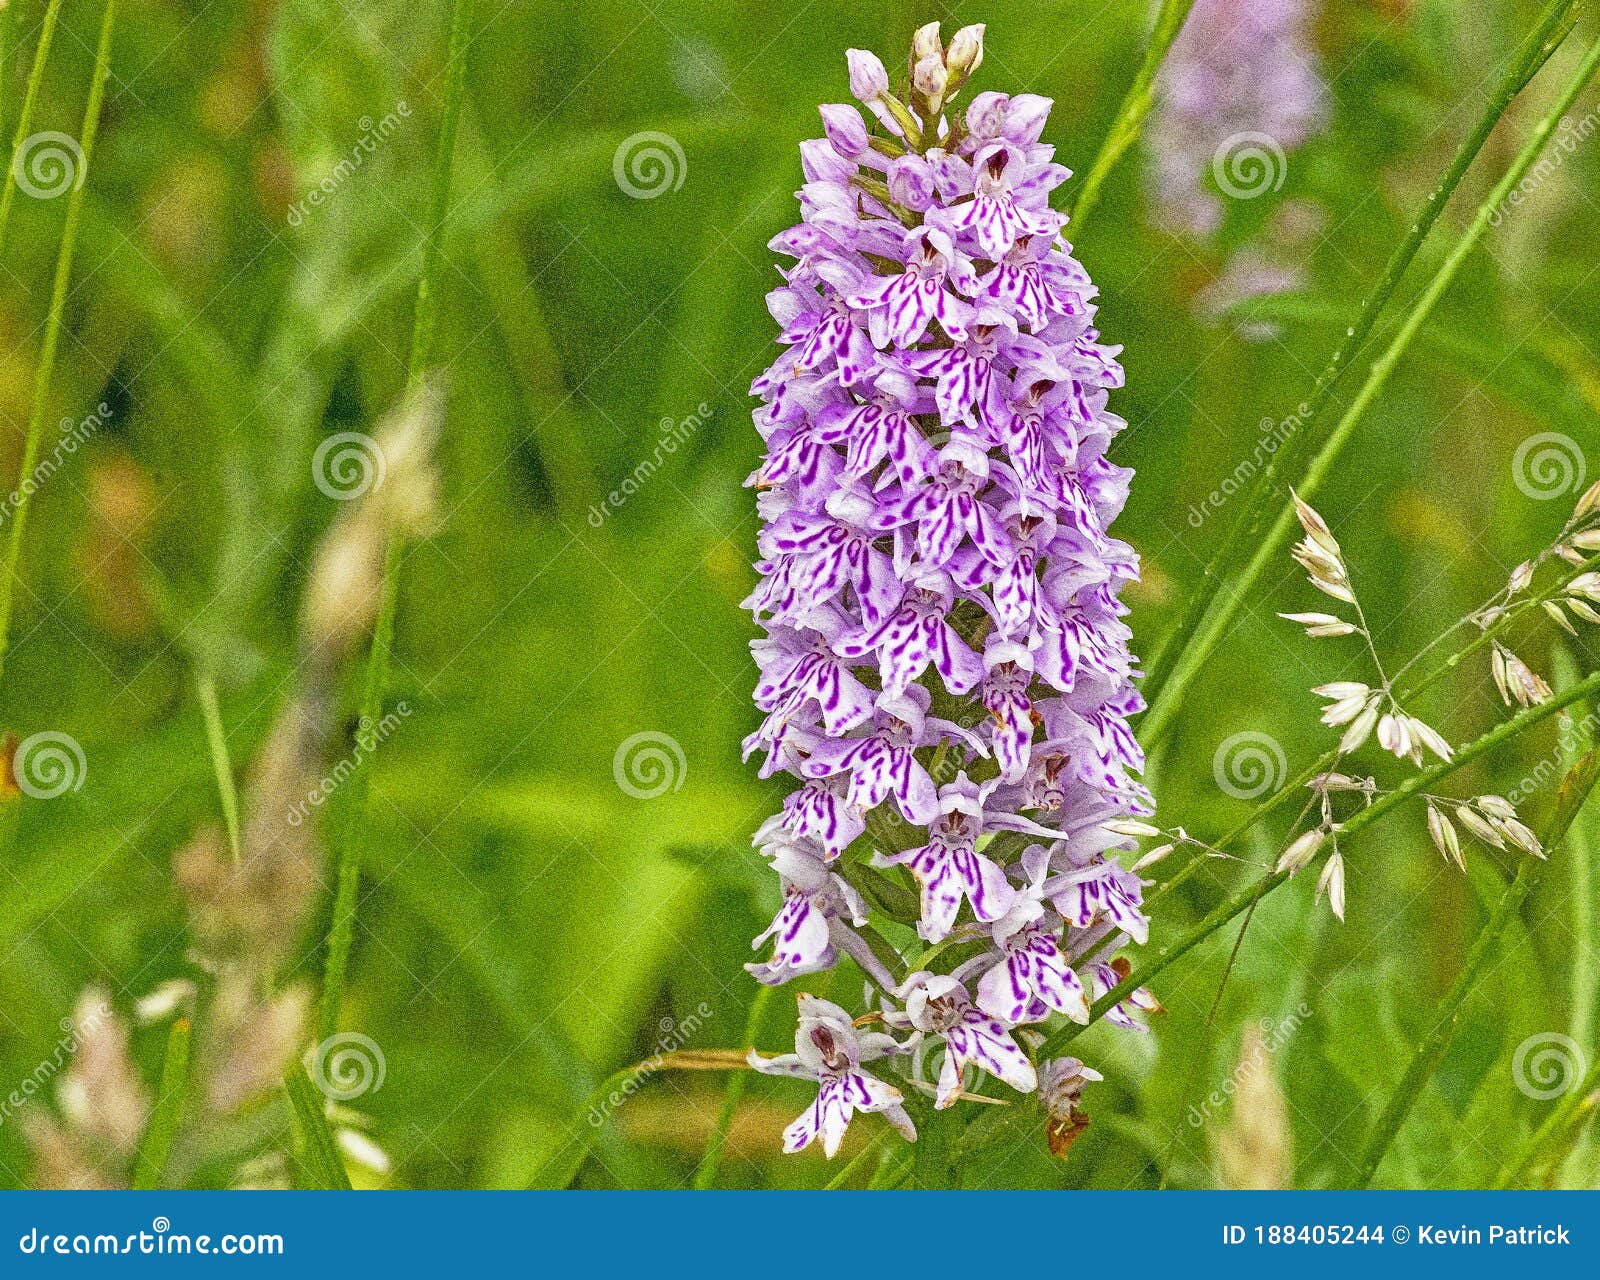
point(1245, 897)
point(1131, 115)
point(151, 1161)
point(1222, 590)
point(1575, 789)
point(424, 328)
point(41, 54)
point(1404, 691)
point(221, 763)
point(58, 302)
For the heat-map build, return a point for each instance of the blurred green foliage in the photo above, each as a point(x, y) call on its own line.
point(527, 927)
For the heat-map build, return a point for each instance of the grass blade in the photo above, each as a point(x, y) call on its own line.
point(58, 303)
point(1209, 611)
point(221, 764)
point(1575, 789)
point(168, 1112)
point(427, 312)
point(423, 331)
point(1567, 1117)
point(1242, 899)
point(41, 54)
point(1131, 115)
point(317, 1166)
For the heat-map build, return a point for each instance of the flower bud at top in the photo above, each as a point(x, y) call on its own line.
point(846, 131)
point(965, 54)
point(928, 79)
point(925, 44)
point(868, 79)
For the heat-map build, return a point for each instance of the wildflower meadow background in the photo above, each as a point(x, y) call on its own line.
point(376, 662)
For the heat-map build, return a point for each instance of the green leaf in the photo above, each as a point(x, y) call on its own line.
point(168, 1113)
point(316, 1161)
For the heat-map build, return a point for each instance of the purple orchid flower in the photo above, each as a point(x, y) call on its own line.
point(940, 1006)
point(829, 1050)
point(944, 644)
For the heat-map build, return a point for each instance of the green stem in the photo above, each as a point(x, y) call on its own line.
point(1125, 129)
point(705, 1176)
point(427, 310)
point(163, 1127)
point(1243, 898)
point(423, 332)
point(221, 764)
point(1209, 610)
point(52, 333)
point(342, 931)
point(1562, 1118)
point(1425, 1061)
point(41, 54)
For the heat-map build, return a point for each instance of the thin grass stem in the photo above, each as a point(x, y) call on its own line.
point(221, 764)
point(705, 1176)
point(1131, 115)
point(58, 303)
point(1209, 610)
point(151, 1162)
point(41, 55)
point(1563, 1117)
point(424, 329)
point(1242, 899)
